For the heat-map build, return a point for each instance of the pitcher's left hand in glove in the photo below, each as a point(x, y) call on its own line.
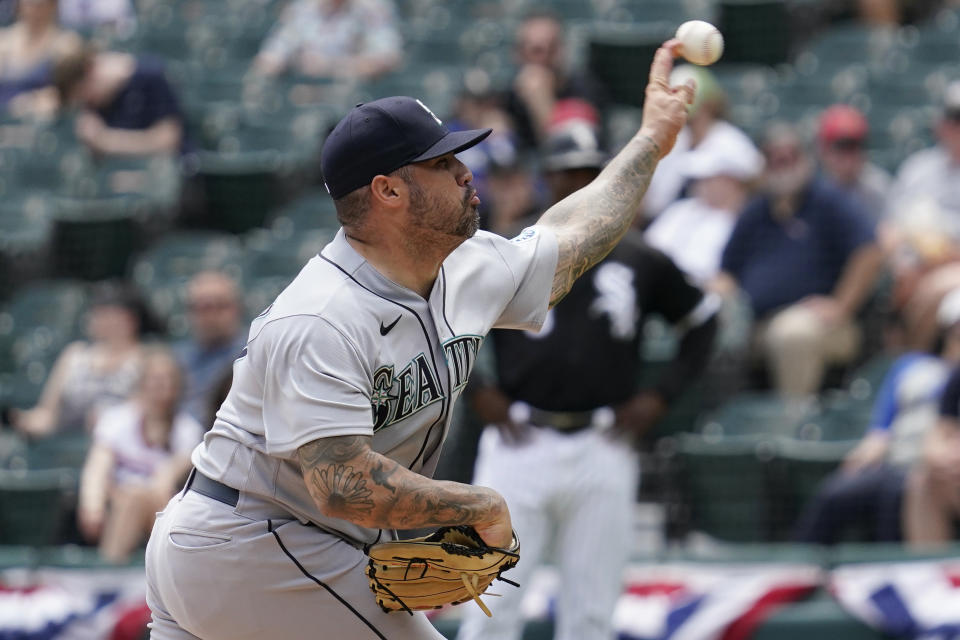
point(449, 566)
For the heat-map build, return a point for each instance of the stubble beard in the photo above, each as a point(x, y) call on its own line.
point(437, 224)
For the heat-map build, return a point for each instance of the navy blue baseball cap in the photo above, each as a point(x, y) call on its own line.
point(379, 137)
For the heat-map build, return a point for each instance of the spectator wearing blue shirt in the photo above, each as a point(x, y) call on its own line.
point(867, 492)
point(216, 339)
point(128, 107)
point(805, 254)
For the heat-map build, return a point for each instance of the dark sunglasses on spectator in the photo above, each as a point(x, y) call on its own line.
point(953, 115)
point(847, 144)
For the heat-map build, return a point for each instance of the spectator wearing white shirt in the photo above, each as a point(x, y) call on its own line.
point(924, 213)
point(139, 458)
point(353, 39)
point(117, 16)
point(693, 231)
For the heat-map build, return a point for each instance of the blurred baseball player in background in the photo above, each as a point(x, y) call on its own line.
point(566, 407)
point(298, 476)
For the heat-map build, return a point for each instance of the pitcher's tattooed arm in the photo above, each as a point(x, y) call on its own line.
point(591, 221)
point(348, 480)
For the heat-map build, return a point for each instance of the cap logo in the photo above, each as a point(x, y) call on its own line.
point(427, 109)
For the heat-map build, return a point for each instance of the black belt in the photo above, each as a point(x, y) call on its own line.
point(566, 421)
point(212, 489)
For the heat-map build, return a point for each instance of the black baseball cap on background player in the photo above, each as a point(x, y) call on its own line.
point(379, 137)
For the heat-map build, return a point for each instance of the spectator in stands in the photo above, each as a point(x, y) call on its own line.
point(806, 255)
point(116, 16)
point(867, 491)
point(89, 376)
point(27, 50)
point(925, 214)
point(543, 77)
point(351, 39)
point(216, 338)
point(841, 144)
point(693, 231)
point(127, 105)
point(139, 459)
point(707, 132)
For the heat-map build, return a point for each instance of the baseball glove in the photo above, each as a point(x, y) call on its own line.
point(449, 566)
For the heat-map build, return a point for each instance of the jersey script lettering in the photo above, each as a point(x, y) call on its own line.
point(398, 396)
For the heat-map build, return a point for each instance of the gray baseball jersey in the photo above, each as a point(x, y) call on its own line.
point(345, 351)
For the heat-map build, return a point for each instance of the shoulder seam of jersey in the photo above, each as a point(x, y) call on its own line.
point(503, 259)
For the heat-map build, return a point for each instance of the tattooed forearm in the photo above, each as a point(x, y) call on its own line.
point(344, 490)
point(590, 222)
point(381, 477)
point(348, 480)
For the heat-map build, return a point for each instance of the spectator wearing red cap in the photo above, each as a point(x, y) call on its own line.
point(841, 143)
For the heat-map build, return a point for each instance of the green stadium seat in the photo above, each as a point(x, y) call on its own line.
point(724, 483)
point(35, 325)
point(795, 476)
point(756, 413)
point(32, 505)
point(755, 31)
point(58, 451)
point(93, 238)
point(615, 52)
point(25, 233)
point(311, 210)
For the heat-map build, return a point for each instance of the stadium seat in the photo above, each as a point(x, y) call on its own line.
point(615, 52)
point(311, 210)
point(59, 451)
point(725, 487)
point(25, 233)
point(32, 505)
point(795, 476)
point(756, 413)
point(756, 31)
point(35, 325)
point(93, 238)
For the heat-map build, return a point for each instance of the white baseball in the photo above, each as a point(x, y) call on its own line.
point(701, 42)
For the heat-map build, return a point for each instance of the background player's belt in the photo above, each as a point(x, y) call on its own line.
point(561, 420)
point(565, 421)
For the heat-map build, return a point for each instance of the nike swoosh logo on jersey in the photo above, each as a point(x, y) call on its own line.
point(384, 330)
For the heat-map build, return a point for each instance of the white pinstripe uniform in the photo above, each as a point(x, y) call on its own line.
point(340, 340)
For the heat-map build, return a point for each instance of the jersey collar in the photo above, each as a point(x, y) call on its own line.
point(346, 257)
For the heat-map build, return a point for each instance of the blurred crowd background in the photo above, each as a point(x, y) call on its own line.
point(160, 184)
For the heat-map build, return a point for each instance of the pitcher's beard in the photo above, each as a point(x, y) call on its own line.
point(469, 221)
